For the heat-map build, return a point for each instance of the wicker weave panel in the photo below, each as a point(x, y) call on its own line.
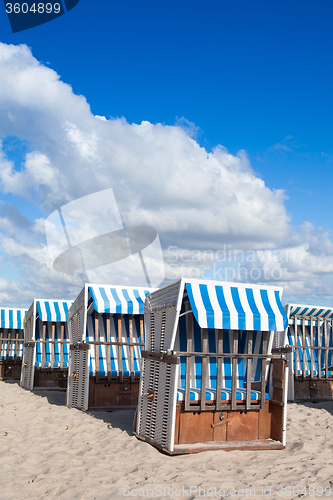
point(28, 324)
point(77, 304)
point(160, 317)
point(170, 319)
point(78, 366)
point(78, 378)
point(149, 330)
point(164, 297)
point(28, 368)
point(159, 328)
point(28, 361)
point(75, 326)
point(155, 417)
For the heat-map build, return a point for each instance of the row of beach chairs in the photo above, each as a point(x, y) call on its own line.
point(209, 365)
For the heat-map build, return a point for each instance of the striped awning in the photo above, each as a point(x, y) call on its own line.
point(119, 299)
point(53, 310)
point(310, 311)
point(237, 306)
point(12, 318)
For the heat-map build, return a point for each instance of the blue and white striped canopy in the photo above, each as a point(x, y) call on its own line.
point(236, 306)
point(53, 310)
point(310, 311)
point(119, 299)
point(12, 318)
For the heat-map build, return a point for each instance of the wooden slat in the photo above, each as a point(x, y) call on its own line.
point(219, 370)
point(329, 336)
point(1, 341)
point(248, 370)
point(263, 370)
point(93, 342)
point(313, 365)
point(17, 346)
point(326, 348)
point(234, 370)
point(62, 333)
point(52, 345)
point(9, 346)
point(226, 355)
point(97, 346)
point(189, 335)
point(120, 351)
point(297, 358)
point(142, 332)
point(319, 345)
point(43, 345)
point(204, 368)
point(108, 347)
point(262, 444)
point(303, 348)
point(131, 348)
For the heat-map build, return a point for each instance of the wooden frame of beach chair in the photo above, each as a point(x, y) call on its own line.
point(310, 333)
point(105, 325)
point(11, 342)
point(46, 345)
point(206, 337)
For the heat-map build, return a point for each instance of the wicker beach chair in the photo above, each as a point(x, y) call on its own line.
point(46, 345)
point(209, 379)
point(309, 333)
point(11, 342)
point(106, 336)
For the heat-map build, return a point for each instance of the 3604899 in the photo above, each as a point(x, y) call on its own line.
point(310, 491)
point(35, 8)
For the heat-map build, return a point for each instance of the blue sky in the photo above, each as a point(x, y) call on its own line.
point(249, 74)
point(253, 76)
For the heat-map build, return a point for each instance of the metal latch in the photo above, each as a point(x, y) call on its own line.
point(82, 346)
point(29, 344)
point(222, 420)
point(282, 350)
point(150, 395)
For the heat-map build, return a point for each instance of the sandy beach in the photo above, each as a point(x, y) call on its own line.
point(50, 451)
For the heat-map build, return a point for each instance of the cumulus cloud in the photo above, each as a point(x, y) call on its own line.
point(161, 177)
point(25, 267)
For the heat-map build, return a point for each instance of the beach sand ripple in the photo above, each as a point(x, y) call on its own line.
point(50, 451)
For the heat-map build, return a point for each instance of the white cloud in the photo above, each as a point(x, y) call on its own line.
point(280, 146)
point(160, 175)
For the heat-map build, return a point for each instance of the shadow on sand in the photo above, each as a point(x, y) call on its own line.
point(323, 405)
point(120, 419)
point(53, 397)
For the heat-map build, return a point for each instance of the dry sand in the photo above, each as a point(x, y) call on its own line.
point(50, 451)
